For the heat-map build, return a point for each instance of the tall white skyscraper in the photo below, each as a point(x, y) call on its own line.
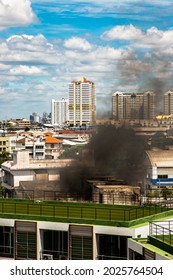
point(59, 111)
point(82, 102)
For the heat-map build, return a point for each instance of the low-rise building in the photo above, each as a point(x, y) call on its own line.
point(34, 230)
point(159, 167)
point(116, 194)
point(24, 168)
point(7, 144)
point(40, 147)
point(53, 147)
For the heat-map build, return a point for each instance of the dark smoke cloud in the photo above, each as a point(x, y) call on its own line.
point(158, 87)
point(116, 152)
point(146, 75)
point(104, 111)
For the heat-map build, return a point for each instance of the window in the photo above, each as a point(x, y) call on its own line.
point(39, 147)
point(6, 241)
point(55, 243)
point(25, 240)
point(112, 247)
point(162, 176)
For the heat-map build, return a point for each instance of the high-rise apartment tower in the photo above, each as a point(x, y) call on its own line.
point(59, 111)
point(133, 105)
point(168, 102)
point(82, 103)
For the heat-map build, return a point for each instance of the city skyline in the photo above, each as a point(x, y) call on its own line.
point(124, 46)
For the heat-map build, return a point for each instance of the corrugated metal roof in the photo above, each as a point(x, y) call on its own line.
point(161, 158)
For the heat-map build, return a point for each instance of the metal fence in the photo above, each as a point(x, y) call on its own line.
point(78, 210)
point(163, 231)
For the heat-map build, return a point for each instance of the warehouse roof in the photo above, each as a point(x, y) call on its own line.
point(161, 158)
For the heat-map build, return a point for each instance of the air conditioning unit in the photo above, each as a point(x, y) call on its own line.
point(47, 257)
point(62, 257)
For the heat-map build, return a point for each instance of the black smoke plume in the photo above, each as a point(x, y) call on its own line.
point(112, 151)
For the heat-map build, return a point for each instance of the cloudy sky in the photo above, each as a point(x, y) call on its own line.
point(122, 45)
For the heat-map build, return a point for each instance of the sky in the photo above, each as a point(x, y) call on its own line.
point(122, 46)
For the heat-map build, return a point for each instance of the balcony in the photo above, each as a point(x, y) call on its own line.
point(161, 235)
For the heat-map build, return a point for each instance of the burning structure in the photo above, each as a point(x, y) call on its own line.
point(116, 152)
point(112, 191)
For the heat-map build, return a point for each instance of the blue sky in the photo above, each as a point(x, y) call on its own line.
point(122, 45)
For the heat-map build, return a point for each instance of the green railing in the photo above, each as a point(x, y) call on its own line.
point(77, 210)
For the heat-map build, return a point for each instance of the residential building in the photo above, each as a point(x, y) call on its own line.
point(53, 147)
point(59, 112)
point(149, 105)
point(42, 146)
point(24, 168)
point(7, 143)
point(131, 106)
point(82, 103)
point(168, 102)
point(34, 230)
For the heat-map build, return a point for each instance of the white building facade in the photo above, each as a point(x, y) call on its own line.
point(59, 111)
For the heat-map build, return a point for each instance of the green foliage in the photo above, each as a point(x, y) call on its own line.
point(5, 154)
point(71, 152)
point(155, 193)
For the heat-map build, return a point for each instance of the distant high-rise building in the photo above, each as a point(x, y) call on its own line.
point(35, 118)
point(133, 105)
point(149, 111)
point(168, 102)
point(59, 111)
point(82, 102)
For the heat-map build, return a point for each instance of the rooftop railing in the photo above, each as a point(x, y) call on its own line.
point(162, 231)
point(72, 210)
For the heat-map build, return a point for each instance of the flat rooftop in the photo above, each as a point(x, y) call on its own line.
point(88, 213)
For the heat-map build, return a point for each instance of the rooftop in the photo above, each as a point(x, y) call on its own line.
point(161, 158)
point(52, 140)
point(88, 213)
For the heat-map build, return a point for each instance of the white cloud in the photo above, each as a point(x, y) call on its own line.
point(2, 91)
point(77, 43)
point(152, 38)
point(122, 32)
point(4, 67)
point(29, 49)
point(16, 13)
point(24, 70)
